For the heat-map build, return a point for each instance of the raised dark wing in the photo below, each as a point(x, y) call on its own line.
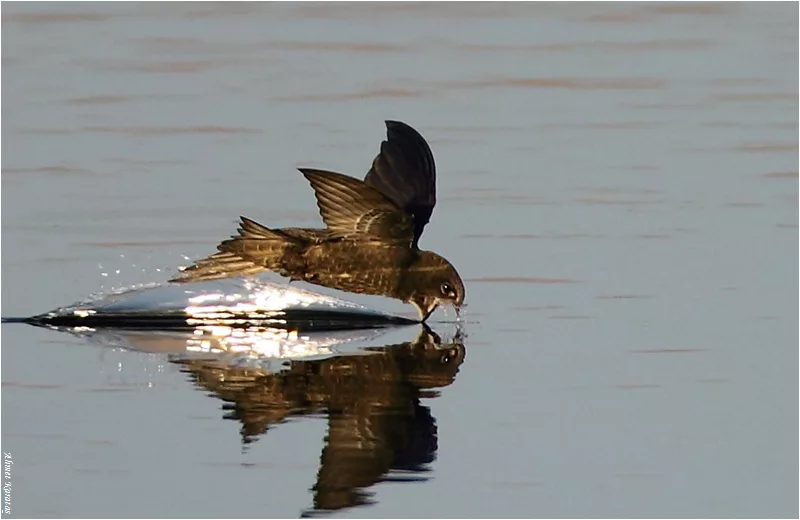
point(405, 172)
point(351, 208)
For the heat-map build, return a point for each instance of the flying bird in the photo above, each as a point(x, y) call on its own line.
point(370, 242)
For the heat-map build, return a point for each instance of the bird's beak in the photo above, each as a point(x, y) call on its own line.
point(425, 307)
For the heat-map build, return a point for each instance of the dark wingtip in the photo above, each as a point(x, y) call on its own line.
point(398, 125)
point(397, 130)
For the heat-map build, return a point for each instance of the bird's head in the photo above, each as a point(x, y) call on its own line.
point(435, 281)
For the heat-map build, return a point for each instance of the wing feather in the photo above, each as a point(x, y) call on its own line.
point(405, 172)
point(351, 208)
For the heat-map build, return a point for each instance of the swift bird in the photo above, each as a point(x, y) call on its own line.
point(370, 242)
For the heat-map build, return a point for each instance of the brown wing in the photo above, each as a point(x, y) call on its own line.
point(351, 208)
point(405, 172)
point(255, 249)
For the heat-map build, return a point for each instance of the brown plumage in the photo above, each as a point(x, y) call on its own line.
point(369, 245)
point(376, 422)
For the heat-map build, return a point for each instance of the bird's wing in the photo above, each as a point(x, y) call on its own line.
point(352, 209)
point(405, 172)
point(254, 249)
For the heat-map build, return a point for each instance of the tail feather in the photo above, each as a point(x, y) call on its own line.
point(217, 267)
point(256, 248)
point(252, 229)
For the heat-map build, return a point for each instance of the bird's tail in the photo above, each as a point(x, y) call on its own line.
point(256, 248)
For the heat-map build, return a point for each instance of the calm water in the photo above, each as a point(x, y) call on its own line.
point(618, 185)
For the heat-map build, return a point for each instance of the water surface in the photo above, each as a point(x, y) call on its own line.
point(617, 185)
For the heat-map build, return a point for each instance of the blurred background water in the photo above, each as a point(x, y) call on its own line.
point(618, 186)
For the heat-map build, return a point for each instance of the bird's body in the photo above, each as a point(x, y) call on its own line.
point(314, 256)
point(370, 243)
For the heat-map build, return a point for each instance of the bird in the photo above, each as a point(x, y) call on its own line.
point(370, 243)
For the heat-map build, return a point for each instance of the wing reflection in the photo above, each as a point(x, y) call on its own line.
point(377, 428)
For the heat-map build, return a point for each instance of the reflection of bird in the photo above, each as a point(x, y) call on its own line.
point(370, 243)
point(376, 422)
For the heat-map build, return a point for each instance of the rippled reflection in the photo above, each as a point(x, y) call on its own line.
point(377, 428)
point(367, 382)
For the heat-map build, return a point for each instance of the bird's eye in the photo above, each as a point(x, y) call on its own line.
point(447, 289)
